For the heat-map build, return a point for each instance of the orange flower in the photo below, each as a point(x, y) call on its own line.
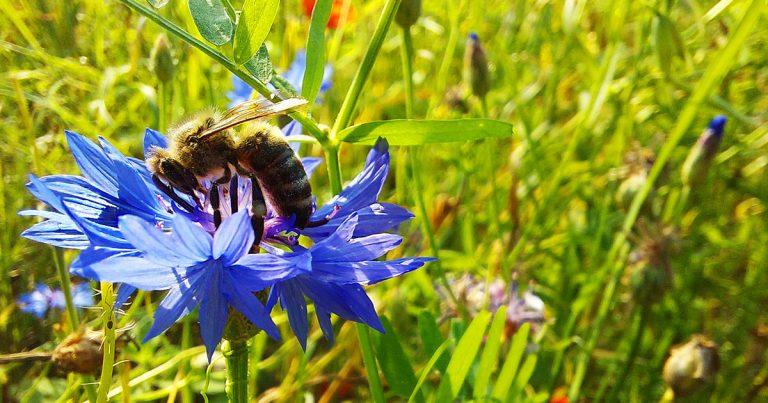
point(336, 11)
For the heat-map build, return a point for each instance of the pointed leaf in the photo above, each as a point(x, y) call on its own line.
point(463, 357)
point(254, 24)
point(212, 20)
point(313, 74)
point(260, 65)
point(394, 362)
point(407, 132)
point(508, 371)
point(490, 354)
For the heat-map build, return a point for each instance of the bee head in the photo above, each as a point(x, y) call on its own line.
point(180, 178)
point(198, 154)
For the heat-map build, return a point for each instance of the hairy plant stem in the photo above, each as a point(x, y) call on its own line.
point(236, 355)
point(108, 345)
point(306, 122)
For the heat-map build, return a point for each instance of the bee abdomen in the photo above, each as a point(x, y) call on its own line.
point(279, 171)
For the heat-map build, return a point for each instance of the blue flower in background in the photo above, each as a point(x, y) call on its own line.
point(43, 298)
point(360, 197)
point(340, 266)
point(214, 272)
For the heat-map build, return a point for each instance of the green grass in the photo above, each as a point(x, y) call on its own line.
point(584, 83)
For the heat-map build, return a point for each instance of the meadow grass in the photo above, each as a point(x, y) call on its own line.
point(585, 84)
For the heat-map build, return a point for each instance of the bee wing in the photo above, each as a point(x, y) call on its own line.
point(252, 110)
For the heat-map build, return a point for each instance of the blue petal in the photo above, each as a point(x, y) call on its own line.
point(181, 299)
point(83, 199)
point(367, 248)
point(133, 189)
point(159, 247)
point(98, 234)
point(58, 230)
point(43, 193)
point(324, 319)
point(347, 301)
point(35, 302)
point(249, 305)
point(338, 239)
point(93, 162)
point(255, 272)
point(153, 139)
point(133, 270)
point(292, 301)
point(124, 291)
point(192, 236)
point(310, 164)
point(366, 273)
point(213, 312)
point(371, 220)
point(234, 238)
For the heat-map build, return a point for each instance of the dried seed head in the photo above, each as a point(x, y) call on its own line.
point(80, 352)
point(691, 366)
point(161, 59)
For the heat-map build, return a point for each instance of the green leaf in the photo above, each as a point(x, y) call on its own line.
point(490, 355)
point(428, 368)
point(463, 357)
point(254, 24)
point(261, 65)
point(405, 132)
point(526, 370)
point(508, 371)
point(212, 20)
point(431, 337)
point(394, 363)
point(313, 74)
point(157, 3)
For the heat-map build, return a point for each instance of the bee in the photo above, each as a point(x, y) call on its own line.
point(206, 149)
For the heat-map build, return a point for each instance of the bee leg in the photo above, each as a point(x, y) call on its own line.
point(233, 202)
point(172, 194)
point(215, 204)
point(259, 210)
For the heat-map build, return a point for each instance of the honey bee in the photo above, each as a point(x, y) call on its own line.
point(206, 149)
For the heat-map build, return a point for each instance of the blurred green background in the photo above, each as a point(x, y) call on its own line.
point(594, 89)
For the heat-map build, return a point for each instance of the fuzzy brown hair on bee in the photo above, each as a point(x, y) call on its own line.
point(204, 147)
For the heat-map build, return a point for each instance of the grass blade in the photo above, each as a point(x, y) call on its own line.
point(490, 354)
point(508, 371)
point(404, 132)
point(463, 358)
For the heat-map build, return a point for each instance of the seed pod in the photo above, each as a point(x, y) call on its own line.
point(691, 366)
point(408, 12)
point(161, 59)
point(80, 352)
point(476, 67)
point(700, 158)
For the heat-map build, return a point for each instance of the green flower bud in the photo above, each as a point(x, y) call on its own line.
point(408, 12)
point(691, 366)
point(476, 67)
point(699, 159)
point(161, 60)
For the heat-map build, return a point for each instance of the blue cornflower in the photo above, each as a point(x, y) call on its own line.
point(43, 298)
point(215, 272)
point(360, 197)
point(340, 266)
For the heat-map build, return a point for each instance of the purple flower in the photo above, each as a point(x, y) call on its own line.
point(212, 272)
point(43, 298)
point(341, 265)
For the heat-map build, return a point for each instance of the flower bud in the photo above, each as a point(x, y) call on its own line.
point(691, 366)
point(700, 158)
point(80, 352)
point(161, 59)
point(476, 67)
point(408, 12)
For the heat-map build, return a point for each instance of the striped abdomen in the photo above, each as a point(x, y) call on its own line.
point(264, 152)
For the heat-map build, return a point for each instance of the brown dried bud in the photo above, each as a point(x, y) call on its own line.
point(80, 352)
point(692, 365)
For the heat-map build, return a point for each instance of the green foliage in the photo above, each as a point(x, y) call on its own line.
point(212, 20)
point(417, 132)
point(313, 75)
point(256, 19)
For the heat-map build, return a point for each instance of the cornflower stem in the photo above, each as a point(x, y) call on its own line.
point(344, 116)
point(716, 70)
point(306, 122)
point(108, 345)
point(412, 162)
point(377, 392)
point(236, 355)
point(66, 288)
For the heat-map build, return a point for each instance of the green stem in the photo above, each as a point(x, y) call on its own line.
point(716, 70)
point(377, 392)
point(353, 93)
point(66, 288)
point(306, 122)
point(236, 354)
point(108, 346)
point(637, 339)
point(334, 168)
